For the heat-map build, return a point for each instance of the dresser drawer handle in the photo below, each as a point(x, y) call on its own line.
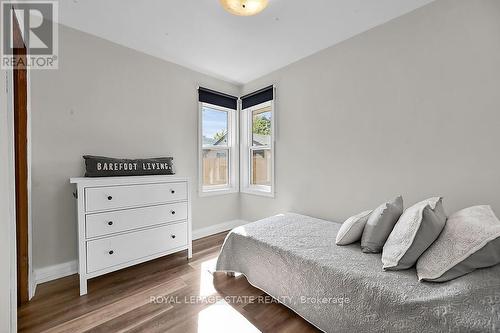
point(173, 236)
point(172, 212)
point(172, 191)
point(111, 252)
point(110, 197)
point(110, 223)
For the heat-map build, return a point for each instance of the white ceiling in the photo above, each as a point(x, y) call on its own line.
point(200, 35)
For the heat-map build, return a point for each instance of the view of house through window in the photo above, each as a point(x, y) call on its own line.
point(261, 126)
point(215, 153)
point(261, 154)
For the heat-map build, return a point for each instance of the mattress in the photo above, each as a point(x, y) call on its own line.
point(294, 259)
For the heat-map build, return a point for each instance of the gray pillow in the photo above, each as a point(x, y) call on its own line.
point(380, 224)
point(469, 240)
point(415, 231)
point(352, 229)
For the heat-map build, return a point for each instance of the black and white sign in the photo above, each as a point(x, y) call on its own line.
point(99, 166)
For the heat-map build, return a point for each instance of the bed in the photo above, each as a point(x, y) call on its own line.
point(294, 259)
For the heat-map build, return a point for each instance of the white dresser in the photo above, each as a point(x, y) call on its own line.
point(123, 221)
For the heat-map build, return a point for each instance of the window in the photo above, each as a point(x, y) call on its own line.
point(257, 147)
point(215, 147)
point(218, 153)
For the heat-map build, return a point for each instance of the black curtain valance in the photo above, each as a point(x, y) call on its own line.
point(217, 98)
point(257, 97)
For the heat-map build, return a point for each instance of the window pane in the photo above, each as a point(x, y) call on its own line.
point(215, 167)
point(214, 127)
point(261, 167)
point(261, 127)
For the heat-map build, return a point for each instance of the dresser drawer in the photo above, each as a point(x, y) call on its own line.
point(114, 197)
point(116, 250)
point(101, 224)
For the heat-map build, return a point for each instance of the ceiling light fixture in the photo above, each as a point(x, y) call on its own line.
point(244, 7)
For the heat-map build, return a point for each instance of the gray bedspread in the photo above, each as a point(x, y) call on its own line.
point(340, 289)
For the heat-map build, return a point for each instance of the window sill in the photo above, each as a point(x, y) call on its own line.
point(258, 192)
point(216, 192)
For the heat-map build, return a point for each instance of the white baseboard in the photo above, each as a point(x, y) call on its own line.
point(58, 271)
point(32, 285)
point(215, 229)
point(54, 272)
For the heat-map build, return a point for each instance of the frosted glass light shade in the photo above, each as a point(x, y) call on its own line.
point(244, 7)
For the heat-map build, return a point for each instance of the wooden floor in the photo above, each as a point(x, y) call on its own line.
point(170, 294)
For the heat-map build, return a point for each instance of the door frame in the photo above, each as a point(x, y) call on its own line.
point(28, 276)
point(31, 270)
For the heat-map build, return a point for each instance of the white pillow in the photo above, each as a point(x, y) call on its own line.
point(352, 229)
point(469, 240)
point(415, 231)
point(380, 224)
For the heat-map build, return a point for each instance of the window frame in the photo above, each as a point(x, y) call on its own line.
point(231, 148)
point(246, 149)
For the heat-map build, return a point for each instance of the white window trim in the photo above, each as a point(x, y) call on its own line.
point(245, 148)
point(233, 158)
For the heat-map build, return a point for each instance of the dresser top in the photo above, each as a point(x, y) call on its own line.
point(128, 180)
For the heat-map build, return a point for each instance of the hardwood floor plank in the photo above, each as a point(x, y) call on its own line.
point(179, 314)
point(132, 319)
point(70, 305)
point(120, 301)
point(116, 309)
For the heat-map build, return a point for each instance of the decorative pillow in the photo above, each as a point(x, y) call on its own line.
point(380, 224)
point(414, 232)
point(470, 240)
point(352, 229)
point(98, 166)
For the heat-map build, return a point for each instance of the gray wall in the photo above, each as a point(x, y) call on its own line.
point(411, 107)
point(110, 100)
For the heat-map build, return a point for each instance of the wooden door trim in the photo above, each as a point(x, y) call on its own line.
point(20, 108)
